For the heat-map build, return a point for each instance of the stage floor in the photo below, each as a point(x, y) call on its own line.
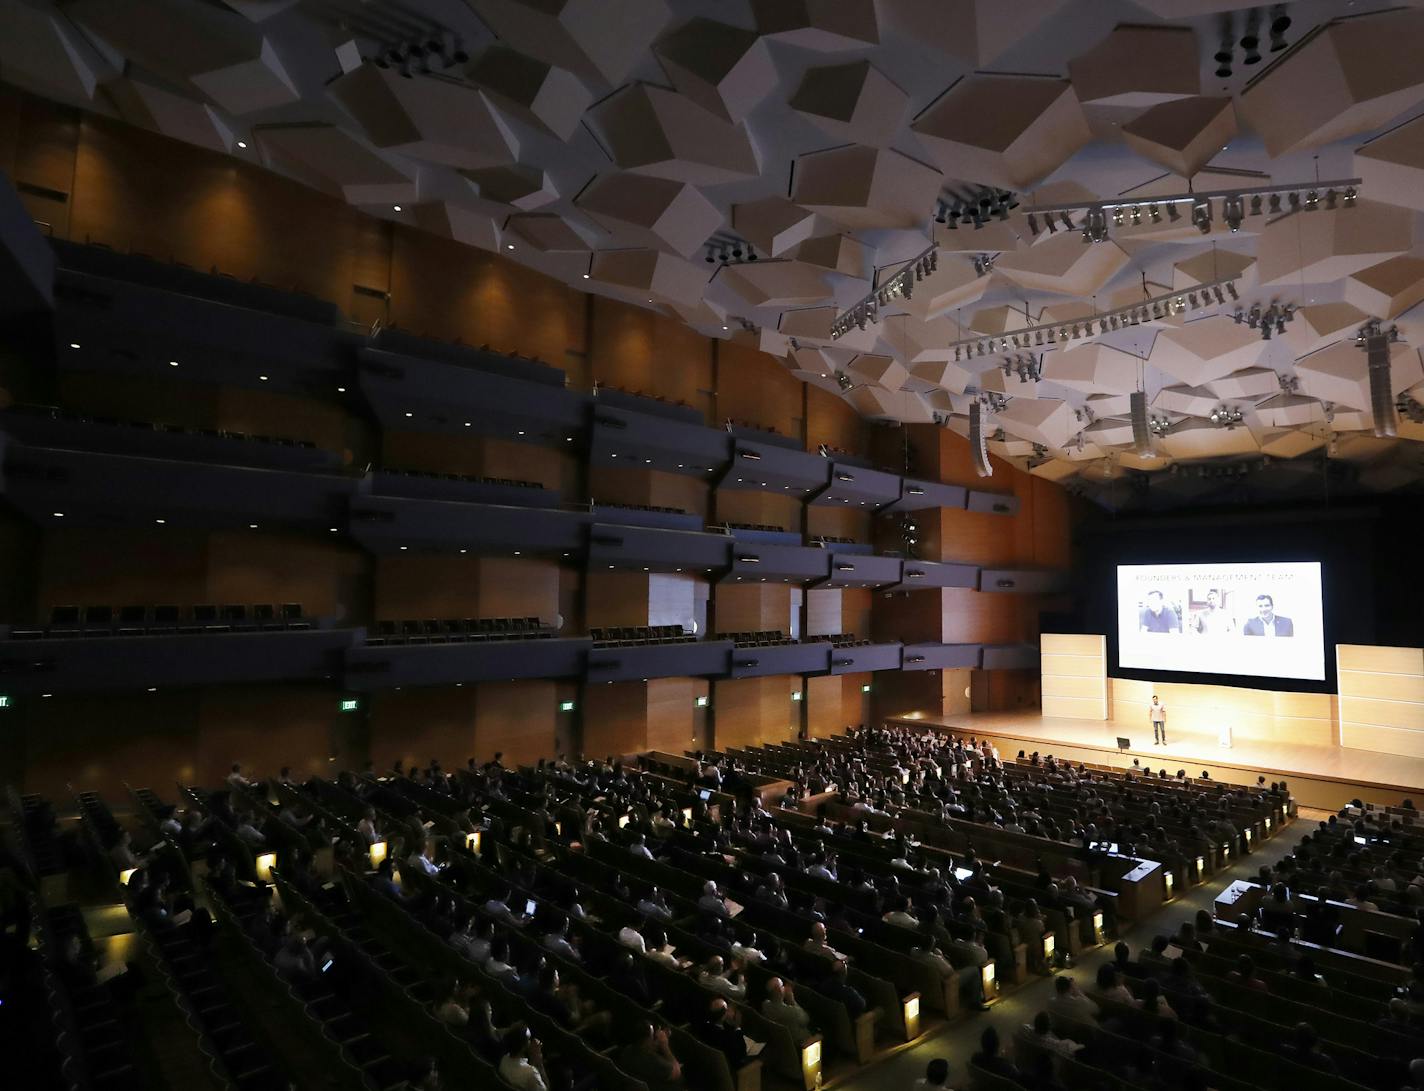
point(1320, 776)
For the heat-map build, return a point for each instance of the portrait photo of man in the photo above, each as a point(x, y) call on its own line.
point(1267, 622)
point(1213, 619)
point(1157, 616)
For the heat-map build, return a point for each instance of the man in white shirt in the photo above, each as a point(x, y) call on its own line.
point(712, 976)
point(711, 901)
point(1039, 1036)
point(780, 1007)
point(236, 781)
point(817, 943)
point(1069, 1002)
point(639, 847)
point(653, 904)
point(1157, 711)
point(522, 1065)
point(631, 938)
point(421, 861)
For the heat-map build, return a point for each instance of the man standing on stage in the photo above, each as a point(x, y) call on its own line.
point(1158, 711)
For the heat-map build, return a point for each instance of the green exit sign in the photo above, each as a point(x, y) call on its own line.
point(566, 706)
point(5, 700)
point(864, 689)
point(351, 704)
point(701, 702)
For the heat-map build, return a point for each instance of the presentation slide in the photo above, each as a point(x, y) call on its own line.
point(1254, 619)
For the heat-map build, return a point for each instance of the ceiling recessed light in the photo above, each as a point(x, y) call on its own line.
point(341, 390)
point(726, 327)
point(464, 551)
point(263, 378)
point(410, 414)
point(152, 689)
point(332, 529)
point(467, 424)
point(516, 553)
point(251, 526)
point(160, 522)
point(520, 432)
point(585, 276)
point(404, 548)
point(242, 143)
point(59, 515)
point(395, 208)
point(172, 363)
point(509, 246)
point(46, 694)
point(74, 344)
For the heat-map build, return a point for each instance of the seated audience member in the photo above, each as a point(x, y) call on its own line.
point(713, 976)
point(1038, 1036)
point(1152, 1002)
point(295, 961)
point(837, 986)
point(1304, 1048)
point(817, 943)
point(1245, 974)
point(522, 1065)
point(990, 1060)
point(780, 1007)
point(452, 1008)
point(1041, 1075)
point(627, 977)
point(718, 1028)
point(936, 1077)
point(649, 1058)
point(1111, 988)
point(1068, 1002)
point(711, 901)
point(654, 904)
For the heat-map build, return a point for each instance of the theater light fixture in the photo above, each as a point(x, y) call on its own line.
point(900, 284)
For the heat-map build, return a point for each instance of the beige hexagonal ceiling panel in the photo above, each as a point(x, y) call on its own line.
point(900, 405)
point(650, 274)
point(1193, 438)
point(979, 31)
point(360, 172)
point(839, 253)
point(638, 210)
point(722, 68)
point(544, 231)
point(1007, 131)
point(854, 103)
point(1138, 66)
point(1048, 421)
point(775, 283)
point(1199, 352)
point(1183, 135)
point(1290, 411)
point(1329, 245)
point(536, 92)
point(1093, 368)
point(42, 52)
point(1248, 384)
point(459, 223)
point(1339, 374)
point(1192, 401)
point(652, 130)
point(773, 224)
point(1391, 166)
point(439, 120)
point(1352, 77)
point(170, 114)
point(944, 375)
point(864, 187)
point(1063, 265)
point(1318, 325)
point(517, 185)
point(1388, 289)
point(598, 40)
point(1109, 432)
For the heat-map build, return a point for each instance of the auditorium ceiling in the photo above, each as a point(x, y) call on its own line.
point(1041, 206)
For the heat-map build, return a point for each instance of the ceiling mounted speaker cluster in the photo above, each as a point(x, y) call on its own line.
point(978, 441)
point(1381, 386)
point(1141, 433)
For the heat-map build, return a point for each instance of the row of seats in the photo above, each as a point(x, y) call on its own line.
point(847, 640)
point(468, 479)
point(768, 639)
point(728, 527)
point(51, 412)
point(639, 507)
point(829, 539)
point(458, 630)
point(632, 635)
point(140, 620)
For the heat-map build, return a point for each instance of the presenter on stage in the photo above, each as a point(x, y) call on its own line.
point(1267, 622)
point(1158, 712)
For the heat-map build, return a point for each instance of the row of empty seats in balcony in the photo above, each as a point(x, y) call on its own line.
point(630, 636)
point(728, 528)
point(847, 640)
point(661, 510)
point(770, 639)
point(466, 479)
point(458, 630)
point(829, 539)
point(139, 620)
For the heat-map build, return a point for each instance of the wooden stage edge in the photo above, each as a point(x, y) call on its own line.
point(1320, 776)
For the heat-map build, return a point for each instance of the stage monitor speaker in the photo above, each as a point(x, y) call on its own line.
point(1141, 434)
point(1124, 743)
point(977, 440)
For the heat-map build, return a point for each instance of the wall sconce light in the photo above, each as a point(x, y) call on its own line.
point(1201, 868)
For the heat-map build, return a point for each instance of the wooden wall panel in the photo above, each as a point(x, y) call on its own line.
point(517, 587)
point(752, 607)
point(517, 718)
point(255, 567)
point(971, 617)
point(264, 412)
point(825, 703)
point(644, 352)
point(416, 725)
point(751, 711)
point(1074, 675)
point(1253, 714)
point(19, 553)
point(421, 586)
point(47, 140)
point(617, 598)
point(673, 715)
point(831, 421)
point(752, 389)
point(135, 397)
point(615, 718)
point(823, 612)
point(121, 566)
point(756, 508)
point(856, 604)
point(264, 729)
point(911, 617)
point(1381, 698)
point(856, 701)
point(840, 522)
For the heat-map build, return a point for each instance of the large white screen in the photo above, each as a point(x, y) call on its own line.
point(1256, 619)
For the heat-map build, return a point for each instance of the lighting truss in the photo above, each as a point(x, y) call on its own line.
point(902, 284)
point(1226, 416)
point(1272, 319)
point(1095, 218)
point(1051, 335)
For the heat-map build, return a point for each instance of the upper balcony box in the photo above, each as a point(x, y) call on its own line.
point(453, 487)
point(860, 570)
point(919, 575)
point(125, 489)
point(1010, 657)
point(650, 441)
point(1022, 581)
point(927, 657)
point(920, 495)
point(774, 468)
point(993, 503)
point(856, 487)
point(385, 524)
point(114, 663)
point(704, 658)
point(867, 657)
point(786, 564)
point(133, 329)
point(385, 666)
point(614, 546)
point(412, 393)
point(806, 658)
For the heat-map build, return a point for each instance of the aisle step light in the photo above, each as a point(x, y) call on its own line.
point(472, 841)
point(126, 875)
point(990, 983)
point(811, 1064)
point(264, 864)
point(378, 853)
point(912, 1017)
point(1268, 823)
point(1098, 926)
point(1050, 945)
point(1201, 868)
point(1169, 877)
point(1248, 837)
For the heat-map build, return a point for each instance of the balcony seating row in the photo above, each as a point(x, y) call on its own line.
point(141, 620)
point(768, 639)
point(633, 636)
point(458, 630)
point(468, 479)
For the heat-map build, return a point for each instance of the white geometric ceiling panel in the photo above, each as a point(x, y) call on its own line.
point(1329, 245)
point(535, 92)
point(1339, 373)
point(1193, 401)
point(1063, 265)
point(826, 26)
point(1388, 289)
point(852, 103)
point(864, 187)
point(775, 283)
point(41, 52)
point(977, 31)
point(722, 68)
point(639, 210)
point(1247, 384)
point(655, 131)
point(1210, 348)
point(172, 115)
point(1093, 368)
point(363, 175)
point(600, 41)
point(1195, 438)
point(1048, 421)
point(1138, 66)
point(1182, 135)
point(772, 224)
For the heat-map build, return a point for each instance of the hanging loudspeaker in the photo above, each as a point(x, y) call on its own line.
point(1141, 434)
point(1381, 386)
point(977, 440)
